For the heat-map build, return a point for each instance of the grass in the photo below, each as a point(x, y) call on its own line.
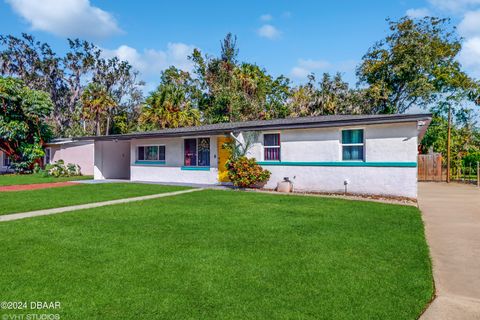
point(22, 201)
point(222, 255)
point(15, 179)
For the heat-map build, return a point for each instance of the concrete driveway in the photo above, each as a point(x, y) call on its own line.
point(451, 213)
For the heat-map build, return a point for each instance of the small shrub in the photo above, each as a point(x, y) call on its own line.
point(245, 172)
point(59, 169)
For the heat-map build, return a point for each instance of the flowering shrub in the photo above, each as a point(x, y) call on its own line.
point(59, 169)
point(245, 172)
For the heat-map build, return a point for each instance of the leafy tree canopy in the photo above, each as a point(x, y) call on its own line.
point(173, 104)
point(65, 77)
point(97, 103)
point(415, 65)
point(23, 125)
point(233, 91)
point(332, 96)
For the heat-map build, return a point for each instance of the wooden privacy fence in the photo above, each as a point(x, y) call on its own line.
point(430, 167)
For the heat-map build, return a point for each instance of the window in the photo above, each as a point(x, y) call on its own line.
point(197, 152)
point(352, 145)
point(271, 144)
point(151, 153)
point(48, 155)
point(6, 160)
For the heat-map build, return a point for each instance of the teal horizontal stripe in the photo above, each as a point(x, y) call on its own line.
point(339, 164)
point(196, 168)
point(147, 162)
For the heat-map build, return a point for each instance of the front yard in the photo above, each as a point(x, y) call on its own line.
point(222, 255)
point(15, 179)
point(22, 201)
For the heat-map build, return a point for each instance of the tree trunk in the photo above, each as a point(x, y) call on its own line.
point(108, 124)
point(97, 123)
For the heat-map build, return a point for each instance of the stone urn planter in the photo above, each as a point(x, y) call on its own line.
point(285, 186)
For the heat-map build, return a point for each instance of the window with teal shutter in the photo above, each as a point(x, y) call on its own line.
point(352, 145)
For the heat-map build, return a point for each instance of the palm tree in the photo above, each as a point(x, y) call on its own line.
point(168, 107)
point(96, 103)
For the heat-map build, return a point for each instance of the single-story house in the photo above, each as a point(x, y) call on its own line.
point(364, 154)
point(71, 151)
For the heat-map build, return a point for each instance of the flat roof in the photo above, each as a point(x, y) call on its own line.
point(276, 124)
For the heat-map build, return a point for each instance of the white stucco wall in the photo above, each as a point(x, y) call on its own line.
point(80, 153)
point(311, 158)
point(172, 171)
point(389, 181)
point(112, 160)
point(394, 143)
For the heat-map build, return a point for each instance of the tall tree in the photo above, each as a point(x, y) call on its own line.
point(64, 78)
point(173, 104)
point(41, 69)
point(121, 82)
point(23, 125)
point(97, 102)
point(415, 65)
point(234, 91)
point(332, 96)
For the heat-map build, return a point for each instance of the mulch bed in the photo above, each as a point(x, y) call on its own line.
point(23, 187)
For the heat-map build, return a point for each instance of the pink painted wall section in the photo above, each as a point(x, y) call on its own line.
point(77, 153)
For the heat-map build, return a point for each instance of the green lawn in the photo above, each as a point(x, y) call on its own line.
point(14, 179)
point(222, 255)
point(21, 201)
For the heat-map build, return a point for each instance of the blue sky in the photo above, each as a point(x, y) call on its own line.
point(286, 37)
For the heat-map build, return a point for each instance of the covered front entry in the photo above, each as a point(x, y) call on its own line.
point(112, 159)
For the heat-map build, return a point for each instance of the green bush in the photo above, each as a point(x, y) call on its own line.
point(245, 172)
point(471, 159)
point(59, 169)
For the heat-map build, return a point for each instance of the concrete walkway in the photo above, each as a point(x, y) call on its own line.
point(451, 213)
point(16, 216)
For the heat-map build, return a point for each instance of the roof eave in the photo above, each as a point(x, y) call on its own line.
point(302, 125)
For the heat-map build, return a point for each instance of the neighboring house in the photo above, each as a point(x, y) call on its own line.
point(365, 154)
point(76, 152)
point(4, 163)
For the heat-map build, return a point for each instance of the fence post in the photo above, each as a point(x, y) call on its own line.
point(478, 174)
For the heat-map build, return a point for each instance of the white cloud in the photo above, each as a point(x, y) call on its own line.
point(418, 13)
point(151, 62)
point(306, 66)
point(454, 5)
point(470, 55)
point(299, 72)
point(470, 24)
point(266, 17)
point(70, 18)
point(268, 31)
